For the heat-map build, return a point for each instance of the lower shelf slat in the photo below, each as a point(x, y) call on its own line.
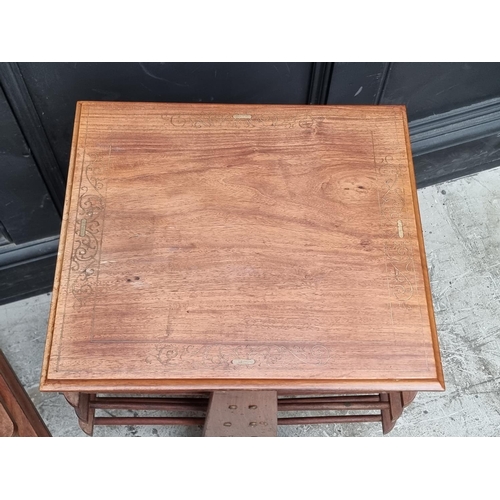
point(338, 419)
point(148, 421)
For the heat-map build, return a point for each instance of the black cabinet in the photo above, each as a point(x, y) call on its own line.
point(27, 212)
point(55, 87)
point(29, 222)
point(453, 108)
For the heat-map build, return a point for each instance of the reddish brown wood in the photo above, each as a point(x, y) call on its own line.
point(167, 404)
point(396, 404)
point(227, 247)
point(82, 409)
point(332, 406)
point(302, 386)
point(17, 405)
point(148, 421)
point(263, 247)
point(391, 415)
point(242, 413)
point(7, 426)
point(333, 419)
point(73, 398)
point(86, 413)
point(352, 398)
point(389, 404)
point(423, 258)
point(387, 422)
point(408, 398)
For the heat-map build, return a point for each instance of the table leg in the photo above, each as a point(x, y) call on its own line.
point(397, 402)
point(408, 397)
point(390, 415)
point(81, 403)
point(72, 398)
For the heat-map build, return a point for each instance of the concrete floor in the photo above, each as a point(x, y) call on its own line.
point(461, 221)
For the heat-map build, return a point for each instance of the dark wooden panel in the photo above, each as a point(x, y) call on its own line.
point(431, 88)
point(320, 83)
point(29, 122)
point(455, 127)
point(4, 236)
point(458, 161)
point(56, 87)
point(357, 83)
point(27, 271)
point(26, 209)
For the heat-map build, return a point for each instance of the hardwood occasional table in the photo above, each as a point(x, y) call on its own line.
point(239, 261)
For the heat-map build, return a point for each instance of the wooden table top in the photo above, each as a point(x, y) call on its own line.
point(241, 246)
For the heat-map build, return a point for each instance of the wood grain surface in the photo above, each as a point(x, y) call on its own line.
point(18, 415)
point(227, 246)
point(7, 427)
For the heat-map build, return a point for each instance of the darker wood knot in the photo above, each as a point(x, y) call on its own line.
point(366, 244)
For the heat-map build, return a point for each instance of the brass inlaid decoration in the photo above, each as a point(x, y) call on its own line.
point(393, 211)
point(249, 356)
point(243, 361)
point(400, 229)
point(88, 229)
point(239, 121)
point(83, 227)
